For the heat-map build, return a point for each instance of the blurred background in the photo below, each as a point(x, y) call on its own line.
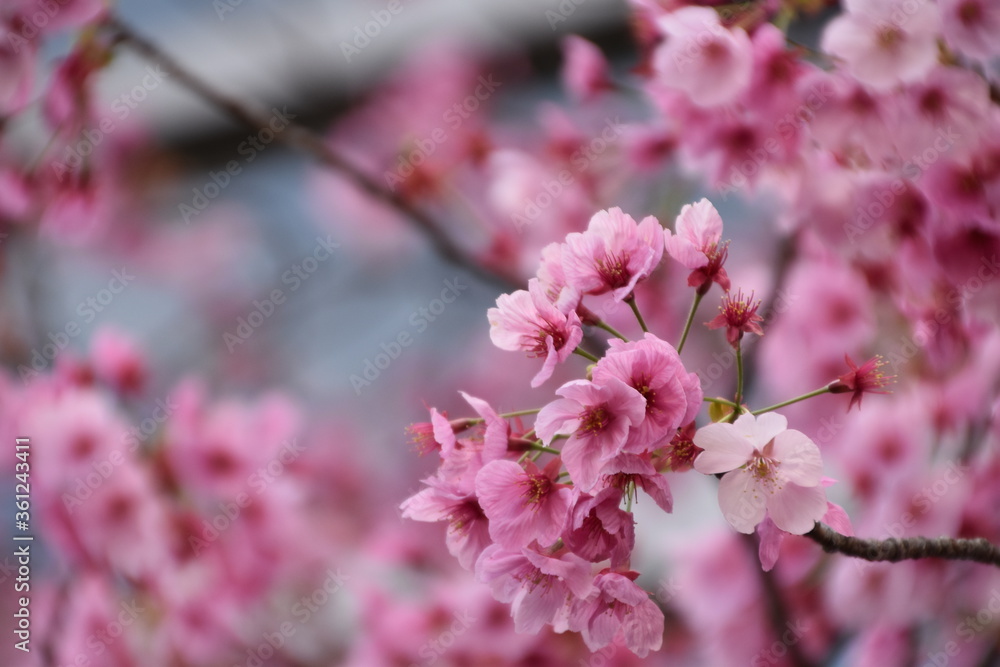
point(218, 342)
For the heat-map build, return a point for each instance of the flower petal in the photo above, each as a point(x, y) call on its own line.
point(800, 459)
point(796, 509)
point(725, 448)
point(741, 501)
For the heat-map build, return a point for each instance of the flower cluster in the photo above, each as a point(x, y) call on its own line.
point(554, 537)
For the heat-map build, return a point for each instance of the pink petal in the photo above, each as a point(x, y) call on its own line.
point(582, 462)
point(560, 417)
point(551, 359)
point(682, 250)
point(536, 607)
point(700, 224)
point(643, 628)
point(762, 429)
point(796, 509)
point(741, 501)
point(725, 449)
point(799, 456)
point(443, 432)
point(770, 543)
point(837, 519)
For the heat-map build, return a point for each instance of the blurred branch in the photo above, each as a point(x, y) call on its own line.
point(310, 142)
point(777, 610)
point(893, 550)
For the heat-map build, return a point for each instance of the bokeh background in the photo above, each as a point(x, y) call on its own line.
point(251, 452)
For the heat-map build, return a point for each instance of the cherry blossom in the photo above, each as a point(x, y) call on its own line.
point(527, 320)
point(597, 417)
point(770, 470)
point(613, 254)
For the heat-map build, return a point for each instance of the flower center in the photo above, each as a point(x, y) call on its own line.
point(970, 13)
point(613, 270)
point(535, 488)
point(763, 469)
point(594, 420)
point(889, 37)
point(548, 329)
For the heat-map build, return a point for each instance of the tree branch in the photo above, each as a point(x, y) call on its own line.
point(310, 142)
point(893, 550)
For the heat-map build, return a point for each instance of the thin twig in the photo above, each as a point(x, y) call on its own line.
point(310, 142)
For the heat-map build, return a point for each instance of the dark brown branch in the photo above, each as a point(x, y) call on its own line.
point(892, 550)
point(310, 142)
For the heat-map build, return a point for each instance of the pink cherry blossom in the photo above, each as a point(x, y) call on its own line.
point(867, 378)
point(618, 607)
point(885, 42)
point(553, 278)
point(537, 586)
point(697, 245)
point(770, 470)
point(527, 320)
point(523, 504)
point(702, 58)
point(971, 26)
point(600, 529)
point(597, 417)
point(628, 472)
point(468, 530)
point(739, 315)
point(613, 254)
point(652, 367)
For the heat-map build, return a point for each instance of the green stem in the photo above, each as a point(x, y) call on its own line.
point(720, 401)
point(635, 309)
point(610, 329)
point(687, 325)
point(520, 413)
point(739, 381)
point(818, 392)
point(539, 447)
point(586, 355)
